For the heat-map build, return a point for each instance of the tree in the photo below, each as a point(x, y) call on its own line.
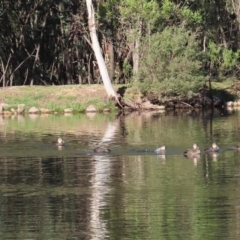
point(138, 18)
point(97, 50)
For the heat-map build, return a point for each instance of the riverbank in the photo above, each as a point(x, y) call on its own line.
point(81, 98)
point(65, 98)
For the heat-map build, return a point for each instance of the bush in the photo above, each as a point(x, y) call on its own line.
point(170, 63)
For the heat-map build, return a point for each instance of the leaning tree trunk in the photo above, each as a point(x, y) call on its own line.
point(97, 50)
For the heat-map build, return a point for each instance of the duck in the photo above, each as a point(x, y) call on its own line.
point(237, 148)
point(161, 150)
point(101, 150)
point(213, 149)
point(60, 142)
point(192, 152)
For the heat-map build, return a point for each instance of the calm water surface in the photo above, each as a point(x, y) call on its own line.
point(50, 192)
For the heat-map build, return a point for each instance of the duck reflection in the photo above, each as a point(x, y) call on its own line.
point(212, 155)
point(162, 157)
point(195, 159)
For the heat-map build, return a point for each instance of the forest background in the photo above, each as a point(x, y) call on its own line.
point(170, 48)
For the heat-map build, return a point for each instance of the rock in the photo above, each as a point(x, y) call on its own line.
point(33, 110)
point(3, 106)
point(206, 101)
point(91, 108)
point(45, 110)
point(13, 110)
point(238, 103)
point(21, 108)
point(7, 113)
point(1, 109)
point(106, 110)
point(229, 104)
point(235, 104)
point(68, 110)
point(149, 106)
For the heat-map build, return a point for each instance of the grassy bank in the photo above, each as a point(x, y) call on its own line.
point(79, 97)
point(57, 98)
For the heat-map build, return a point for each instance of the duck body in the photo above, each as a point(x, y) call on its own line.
point(161, 150)
point(237, 148)
point(60, 142)
point(101, 150)
point(192, 152)
point(213, 149)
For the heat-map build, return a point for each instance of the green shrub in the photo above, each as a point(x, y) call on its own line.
point(170, 63)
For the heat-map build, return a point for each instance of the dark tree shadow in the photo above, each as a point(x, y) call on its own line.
point(121, 91)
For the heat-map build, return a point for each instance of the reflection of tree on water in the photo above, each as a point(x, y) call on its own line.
point(207, 118)
point(101, 171)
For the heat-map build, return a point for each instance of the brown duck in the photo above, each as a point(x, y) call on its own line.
point(213, 149)
point(101, 150)
point(192, 152)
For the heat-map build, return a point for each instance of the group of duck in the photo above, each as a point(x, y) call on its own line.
point(191, 152)
point(195, 151)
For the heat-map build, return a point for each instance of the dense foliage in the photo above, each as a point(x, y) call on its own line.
point(176, 45)
point(171, 67)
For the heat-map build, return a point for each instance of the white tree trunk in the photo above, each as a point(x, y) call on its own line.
point(97, 50)
point(135, 54)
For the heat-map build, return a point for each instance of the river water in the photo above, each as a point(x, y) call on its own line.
point(50, 192)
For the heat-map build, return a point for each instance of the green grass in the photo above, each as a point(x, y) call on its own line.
point(28, 100)
point(57, 98)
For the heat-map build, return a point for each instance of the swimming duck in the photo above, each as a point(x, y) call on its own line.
point(101, 150)
point(60, 142)
point(192, 152)
point(213, 148)
point(237, 148)
point(161, 150)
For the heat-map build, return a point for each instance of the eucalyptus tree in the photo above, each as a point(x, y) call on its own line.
point(48, 42)
point(97, 50)
point(138, 18)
